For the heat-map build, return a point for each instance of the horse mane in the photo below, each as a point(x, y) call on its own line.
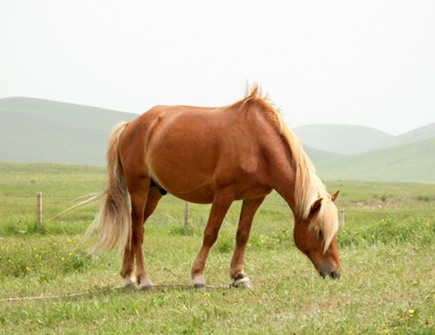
point(308, 186)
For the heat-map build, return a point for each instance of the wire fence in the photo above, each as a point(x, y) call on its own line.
point(49, 207)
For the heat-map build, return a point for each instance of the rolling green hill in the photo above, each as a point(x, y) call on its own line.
point(411, 162)
point(33, 130)
point(319, 156)
point(416, 135)
point(341, 139)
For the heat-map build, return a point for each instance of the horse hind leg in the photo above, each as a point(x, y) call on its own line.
point(154, 196)
point(142, 279)
point(127, 265)
point(153, 199)
point(143, 202)
point(133, 247)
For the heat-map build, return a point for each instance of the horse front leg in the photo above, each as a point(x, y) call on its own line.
point(221, 203)
point(249, 208)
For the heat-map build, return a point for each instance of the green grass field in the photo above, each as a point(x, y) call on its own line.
point(387, 247)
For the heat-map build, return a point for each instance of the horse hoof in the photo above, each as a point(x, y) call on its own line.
point(128, 282)
point(199, 286)
point(145, 285)
point(243, 283)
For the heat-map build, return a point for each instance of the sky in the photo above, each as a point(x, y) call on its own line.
point(369, 63)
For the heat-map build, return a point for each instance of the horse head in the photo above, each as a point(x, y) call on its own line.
point(315, 236)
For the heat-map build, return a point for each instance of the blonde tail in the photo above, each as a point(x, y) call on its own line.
point(113, 222)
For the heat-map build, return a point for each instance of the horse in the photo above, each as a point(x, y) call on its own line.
point(206, 155)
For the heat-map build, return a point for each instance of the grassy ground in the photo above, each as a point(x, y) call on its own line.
point(387, 249)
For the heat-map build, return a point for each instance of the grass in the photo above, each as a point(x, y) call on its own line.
point(387, 247)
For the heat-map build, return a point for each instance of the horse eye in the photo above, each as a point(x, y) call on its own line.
point(320, 234)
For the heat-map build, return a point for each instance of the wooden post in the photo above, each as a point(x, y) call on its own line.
point(39, 210)
point(341, 218)
point(186, 218)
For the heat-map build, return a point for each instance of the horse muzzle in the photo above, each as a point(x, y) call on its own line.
point(333, 274)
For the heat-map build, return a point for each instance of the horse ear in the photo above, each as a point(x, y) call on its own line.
point(335, 195)
point(315, 207)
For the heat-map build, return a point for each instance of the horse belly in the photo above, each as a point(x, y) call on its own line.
point(184, 164)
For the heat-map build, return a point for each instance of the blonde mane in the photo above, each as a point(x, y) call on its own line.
point(308, 186)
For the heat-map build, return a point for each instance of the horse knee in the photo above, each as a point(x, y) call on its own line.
point(242, 237)
point(210, 238)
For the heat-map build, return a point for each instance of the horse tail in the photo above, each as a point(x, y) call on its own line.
point(113, 222)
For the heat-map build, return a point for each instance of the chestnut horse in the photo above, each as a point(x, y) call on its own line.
point(213, 155)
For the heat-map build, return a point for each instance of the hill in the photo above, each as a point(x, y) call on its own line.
point(416, 135)
point(341, 139)
point(34, 130)
point(319, 156)
point(411, 162)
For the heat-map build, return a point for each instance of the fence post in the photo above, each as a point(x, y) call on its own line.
point(186, 218)
point(341, 218)
point(39, 210)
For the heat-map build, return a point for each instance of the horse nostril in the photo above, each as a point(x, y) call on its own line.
point(322, 274)
point(334, 275)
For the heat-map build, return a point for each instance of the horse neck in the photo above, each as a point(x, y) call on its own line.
point(285, 175)
point(284, 180)
point(289, 168)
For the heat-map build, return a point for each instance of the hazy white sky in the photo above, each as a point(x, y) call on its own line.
point(366, 62)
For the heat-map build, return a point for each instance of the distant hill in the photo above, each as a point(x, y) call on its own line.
point(33, 130)
point(416, 135)
point(413, 162)
point(318, 156)
point(341, 139)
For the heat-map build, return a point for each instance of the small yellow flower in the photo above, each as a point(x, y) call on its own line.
point(69, 240)
point(63, 258)
point(27, 268)
point(410, 311)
